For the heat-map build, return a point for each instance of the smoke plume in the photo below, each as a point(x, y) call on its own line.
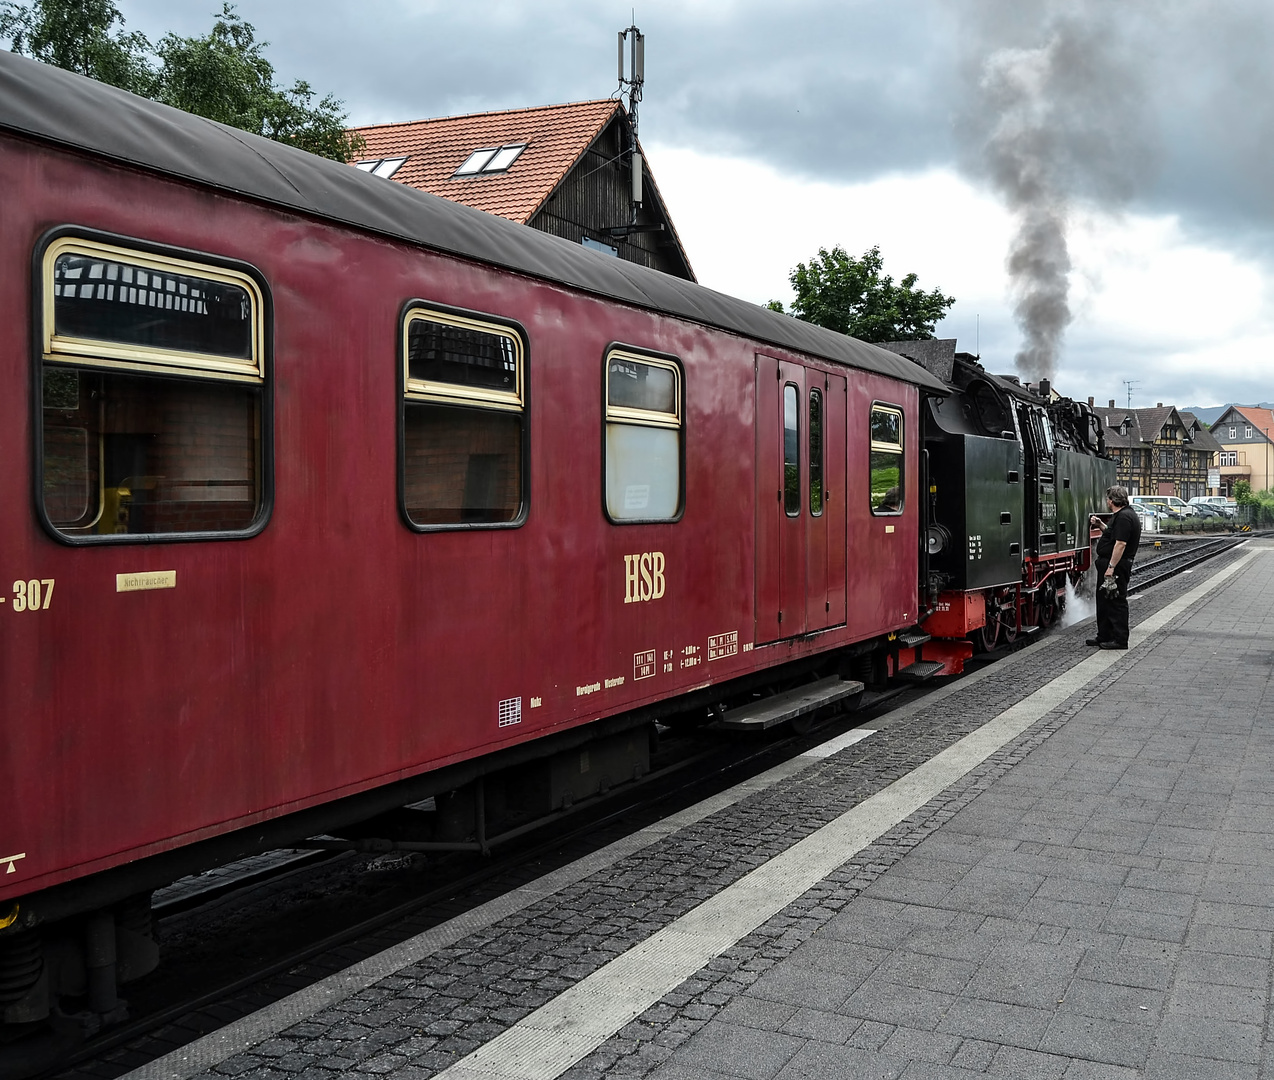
point(1055, 123)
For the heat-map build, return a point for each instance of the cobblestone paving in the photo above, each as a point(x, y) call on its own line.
point(781, 991)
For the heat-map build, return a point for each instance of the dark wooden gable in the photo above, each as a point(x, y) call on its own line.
point(593, 200)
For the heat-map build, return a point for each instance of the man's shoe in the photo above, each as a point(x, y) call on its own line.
point(1110, 645)
point(1091, 641)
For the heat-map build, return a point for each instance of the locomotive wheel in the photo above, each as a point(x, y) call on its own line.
point(1048, 608)
point(1007, 603)
point(985, 636)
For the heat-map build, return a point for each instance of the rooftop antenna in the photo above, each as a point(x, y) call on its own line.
point(977, 336)
point(633, 80)
point(1128, 385)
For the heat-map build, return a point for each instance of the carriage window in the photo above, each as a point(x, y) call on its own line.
point(643, 437)
point(152, 382)
point(887, 460)
point(816, 452)
point(791, 451)
point(463, 421)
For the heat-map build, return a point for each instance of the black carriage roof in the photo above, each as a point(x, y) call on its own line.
point(57, 106)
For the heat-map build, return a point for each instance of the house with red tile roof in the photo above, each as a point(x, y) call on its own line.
point(563, 169)
point(1246, 435)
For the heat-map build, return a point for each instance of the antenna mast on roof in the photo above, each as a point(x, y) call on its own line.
point(635, 79)
point(1128, 385)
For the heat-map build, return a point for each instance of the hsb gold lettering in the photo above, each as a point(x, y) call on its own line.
point(644, 576)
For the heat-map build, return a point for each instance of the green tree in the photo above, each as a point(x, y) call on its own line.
point(1243, 493)
point(77, 35)
point(856, 297)
point(223, 75)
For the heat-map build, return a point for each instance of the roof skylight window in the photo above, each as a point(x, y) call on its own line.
point(385, 167)
point(505, 157)
point(490, 159)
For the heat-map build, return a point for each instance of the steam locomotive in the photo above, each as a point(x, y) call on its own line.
point(1015, 471)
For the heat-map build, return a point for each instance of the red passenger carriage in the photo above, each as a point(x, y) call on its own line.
point(324, 495)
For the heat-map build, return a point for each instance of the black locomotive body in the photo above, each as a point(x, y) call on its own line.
point(1013, 473)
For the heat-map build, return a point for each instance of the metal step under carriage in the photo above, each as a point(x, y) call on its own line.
point(769, 712)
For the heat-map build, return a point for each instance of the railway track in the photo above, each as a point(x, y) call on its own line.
point(325, 896)
point(1147, 574)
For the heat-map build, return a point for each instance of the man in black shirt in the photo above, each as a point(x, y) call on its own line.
point(1116, 549)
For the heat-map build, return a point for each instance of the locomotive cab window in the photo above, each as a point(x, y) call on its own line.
point(463, 425)
point(887, 460)
point(152, 376)
point(643, 437)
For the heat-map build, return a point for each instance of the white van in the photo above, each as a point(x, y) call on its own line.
point(1177, 506)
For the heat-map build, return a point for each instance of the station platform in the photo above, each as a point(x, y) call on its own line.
point(1060, 866)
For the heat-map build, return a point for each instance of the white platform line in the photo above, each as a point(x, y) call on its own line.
point(576, 1022)
point(836, 745)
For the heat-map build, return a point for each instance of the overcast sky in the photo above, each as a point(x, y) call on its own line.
point(1093, 181)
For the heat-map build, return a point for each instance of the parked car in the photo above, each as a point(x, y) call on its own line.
point(1225, 507)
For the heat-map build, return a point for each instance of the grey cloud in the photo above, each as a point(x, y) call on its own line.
point(832, 92)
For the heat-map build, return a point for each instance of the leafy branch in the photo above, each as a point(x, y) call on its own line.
point(223, 75)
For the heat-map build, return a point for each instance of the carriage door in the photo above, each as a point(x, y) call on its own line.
point(800, 503)
point(825, 506)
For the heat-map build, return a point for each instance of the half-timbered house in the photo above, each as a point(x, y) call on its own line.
point(1160, 451)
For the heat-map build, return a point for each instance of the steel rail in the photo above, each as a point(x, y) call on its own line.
point(1184, 561)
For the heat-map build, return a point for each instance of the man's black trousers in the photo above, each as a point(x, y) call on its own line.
point(1112, 612)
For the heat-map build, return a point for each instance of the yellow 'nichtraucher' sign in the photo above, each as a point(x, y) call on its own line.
point(150, 579)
